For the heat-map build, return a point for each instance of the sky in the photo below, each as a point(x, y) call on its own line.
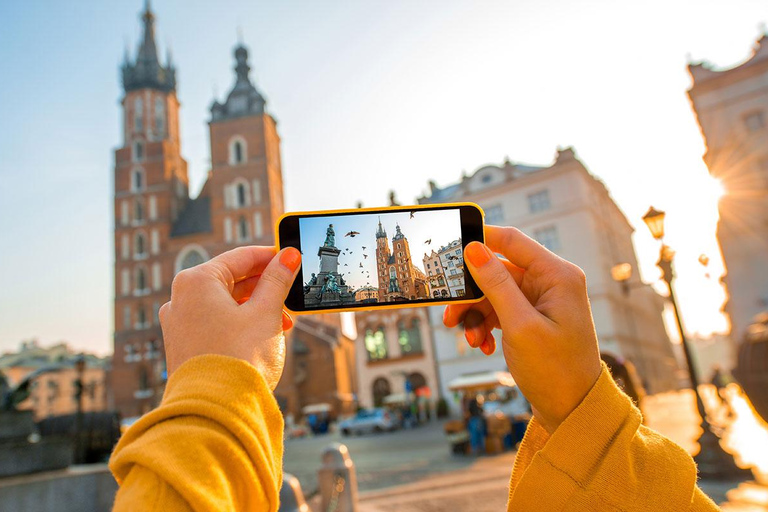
point(427, 230)
point(369, 96)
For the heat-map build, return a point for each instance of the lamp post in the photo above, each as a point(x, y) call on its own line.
point(712, 460)
point(80, 371)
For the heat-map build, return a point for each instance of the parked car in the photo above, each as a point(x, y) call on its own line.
point(368, 420)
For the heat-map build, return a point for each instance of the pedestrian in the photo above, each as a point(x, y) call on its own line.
point(216, 440)
point(476, 426)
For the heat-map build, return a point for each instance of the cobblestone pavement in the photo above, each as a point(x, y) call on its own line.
point(413, 470)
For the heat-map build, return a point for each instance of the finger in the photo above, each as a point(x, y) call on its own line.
point(243, 290)
point(238, 264)
point(474, 328)
point(287, 321)
point(276, 281)
point(488, 346)
point(497, 284)
point(518, 248)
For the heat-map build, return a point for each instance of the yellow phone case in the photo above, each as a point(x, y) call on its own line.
point(383, 209)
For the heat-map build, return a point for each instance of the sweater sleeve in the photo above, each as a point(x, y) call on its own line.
point(215, 443)
point(602, 458)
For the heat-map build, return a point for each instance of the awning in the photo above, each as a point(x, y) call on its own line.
point(316, 408)
point(397, 398)
point(481, 381)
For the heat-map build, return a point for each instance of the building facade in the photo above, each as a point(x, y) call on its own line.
point(731, 107)
point(394, 356)
point(570, 212)
point(445, 271)
point(160, 230)
point(398, 278)
point(54, 392)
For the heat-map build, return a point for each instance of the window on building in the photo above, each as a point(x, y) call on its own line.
point(141, 317)
point(755, 121)
point(242, 195)
point(376, 344)
point(138, 115)
point(538, 201)
point(428, 266)
point(141, 279)
point(487, 178)
point(443, 292)
point(242, 229)
point(192, 259)
point(494, 214)
point(159, 116)
point(548, 237)
point(237, 151)
point(127, 317)
point(409, 338)
point(140, 245)
point(258, 229)
point(152, 208)
point(138, 151)
point(138, 210)
point(460, 292)
point(143, 379)
point(137, 180)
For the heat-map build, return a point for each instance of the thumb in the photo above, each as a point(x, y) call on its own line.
point(276, 281)
point(498, 285)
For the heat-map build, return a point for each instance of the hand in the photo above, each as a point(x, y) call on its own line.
point(232, 305)
point(540, 302)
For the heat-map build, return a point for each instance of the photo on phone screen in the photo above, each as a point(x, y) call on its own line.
point(382, 258)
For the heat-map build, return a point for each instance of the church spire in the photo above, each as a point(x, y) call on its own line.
point(147, 72)
point(244, 99)
point(380, 233)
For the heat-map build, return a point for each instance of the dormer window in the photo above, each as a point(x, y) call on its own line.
point(238, 151)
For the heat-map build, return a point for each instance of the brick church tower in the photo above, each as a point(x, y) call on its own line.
point(159, 229)
point(399, 279)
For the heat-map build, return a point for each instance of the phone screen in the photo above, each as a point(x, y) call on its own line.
point(370, 258)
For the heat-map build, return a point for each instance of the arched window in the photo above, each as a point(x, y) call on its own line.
point(238, 153)
point(392, 273)
point(444, 293)
point(435, 293)
point(381, 390)
point(141, 279)
point(192, 259)
point(242, 195)
point(242, 229)
point(139, 244)
point(376, 344)
point(137, 180)
point(417, 380)
point(138, 211)
point(409, 338)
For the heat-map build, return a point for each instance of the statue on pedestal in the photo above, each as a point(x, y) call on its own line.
point(330, 237)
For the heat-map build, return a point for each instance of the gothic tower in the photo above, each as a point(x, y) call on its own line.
point(382, 262)
point(150, 190)
point(246, 184)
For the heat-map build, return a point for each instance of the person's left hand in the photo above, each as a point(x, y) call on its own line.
point(232, 305)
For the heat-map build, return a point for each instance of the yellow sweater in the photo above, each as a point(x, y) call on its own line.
point(215, 443)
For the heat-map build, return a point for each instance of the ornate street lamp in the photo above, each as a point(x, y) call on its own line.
point(711, 460)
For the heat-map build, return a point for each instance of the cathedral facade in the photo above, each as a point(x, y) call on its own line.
point(399, 278)
point(159, 230)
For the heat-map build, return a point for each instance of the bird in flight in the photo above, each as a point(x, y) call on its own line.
point(412, 214)
point(361, 265)
point(452, 257)
point(346, 265)
point(363, 247)
point(353, 234)
point(365, 256)
point(428, 241)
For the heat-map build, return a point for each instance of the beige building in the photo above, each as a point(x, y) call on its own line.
point(367, 293)
point(437, 286)
point(731, 107)
point(53, 393)
point(394, 346)
point(569, 211)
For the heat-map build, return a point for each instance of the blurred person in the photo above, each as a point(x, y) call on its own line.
point(215, 442)
point(476, 426)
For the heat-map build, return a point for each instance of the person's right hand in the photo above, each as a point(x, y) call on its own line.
point(540, 302)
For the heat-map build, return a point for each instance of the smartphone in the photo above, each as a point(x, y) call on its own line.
point(374, 258)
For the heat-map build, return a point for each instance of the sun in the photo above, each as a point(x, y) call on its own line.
point(714, 189)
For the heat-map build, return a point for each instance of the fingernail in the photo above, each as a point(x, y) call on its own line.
point(287, 321)
point(291, 258)
point(477, 254)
